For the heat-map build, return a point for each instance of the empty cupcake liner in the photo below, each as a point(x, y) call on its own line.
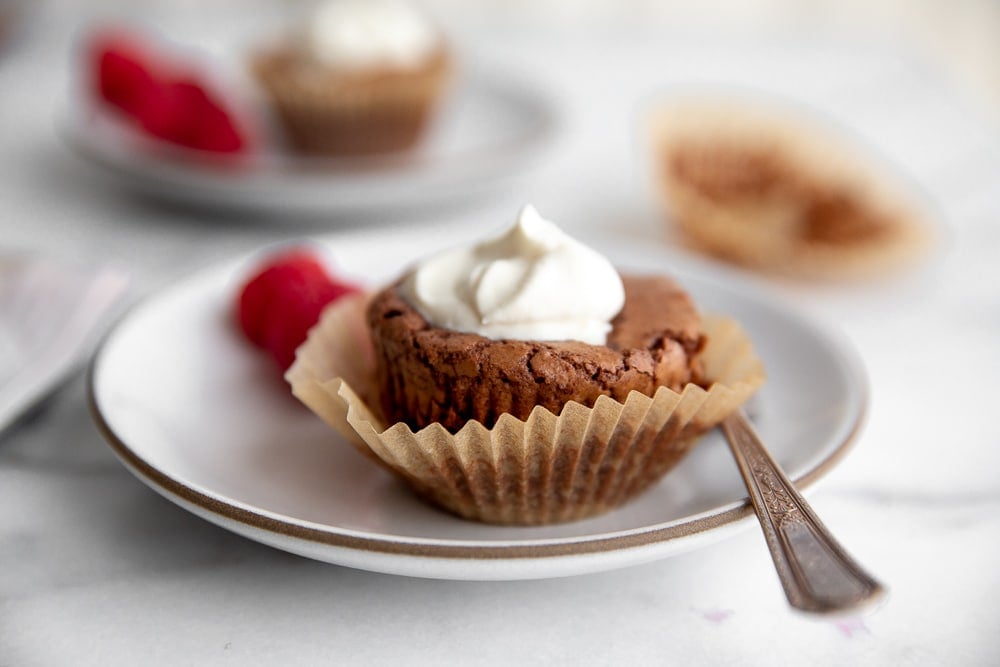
point(763, 232)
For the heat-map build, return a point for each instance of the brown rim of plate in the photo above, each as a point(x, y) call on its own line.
point(535, 548)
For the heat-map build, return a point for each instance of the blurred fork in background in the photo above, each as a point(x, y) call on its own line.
point(49, 315)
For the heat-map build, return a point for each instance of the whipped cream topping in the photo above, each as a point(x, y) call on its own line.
point(533, 282)
point(358, 34)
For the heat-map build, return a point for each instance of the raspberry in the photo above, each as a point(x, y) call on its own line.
point(283, 300)
point(123, 78)
point(157, 96)
point(196, 120)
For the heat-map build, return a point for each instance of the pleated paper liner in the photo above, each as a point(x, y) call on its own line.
point(763, 232)
point(545, 469)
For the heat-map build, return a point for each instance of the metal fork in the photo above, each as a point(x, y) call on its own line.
point(816, 572)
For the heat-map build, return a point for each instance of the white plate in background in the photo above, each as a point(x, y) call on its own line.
point(491, 131)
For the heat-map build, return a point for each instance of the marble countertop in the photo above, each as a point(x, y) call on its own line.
point(96, 569)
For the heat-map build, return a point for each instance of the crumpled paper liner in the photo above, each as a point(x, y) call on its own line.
point(543, 470)
point(762, 232)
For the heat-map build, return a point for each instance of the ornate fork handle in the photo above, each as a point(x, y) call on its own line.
point(817, 574)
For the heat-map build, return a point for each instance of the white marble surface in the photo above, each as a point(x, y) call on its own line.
point(95, 569)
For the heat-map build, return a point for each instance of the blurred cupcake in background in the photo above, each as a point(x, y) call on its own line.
point(360, 77)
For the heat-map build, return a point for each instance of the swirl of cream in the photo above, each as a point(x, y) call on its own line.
point(533, 282)
point(361, 34)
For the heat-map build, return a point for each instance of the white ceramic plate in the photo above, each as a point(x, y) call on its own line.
point(201, 417)
point(490, 131)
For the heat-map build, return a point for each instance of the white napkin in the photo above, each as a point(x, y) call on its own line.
point(49, 315)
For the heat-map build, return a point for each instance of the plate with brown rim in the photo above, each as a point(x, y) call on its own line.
point(202, 418)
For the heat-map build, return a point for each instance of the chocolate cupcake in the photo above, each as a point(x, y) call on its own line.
point(362, 78)
point(431, 374)
point(522, 381)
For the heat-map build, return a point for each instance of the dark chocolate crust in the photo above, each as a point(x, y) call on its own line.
point(428, 374)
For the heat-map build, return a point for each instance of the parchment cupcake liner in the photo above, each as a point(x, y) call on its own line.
point(763, 232)
point(542, 470)
point(331, 114)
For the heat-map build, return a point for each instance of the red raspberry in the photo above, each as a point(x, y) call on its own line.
point(168, 103)
point(186, 115)
point(124, 76)
point(283, 300)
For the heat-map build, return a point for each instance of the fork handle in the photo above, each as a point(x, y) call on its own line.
point(816, 572)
